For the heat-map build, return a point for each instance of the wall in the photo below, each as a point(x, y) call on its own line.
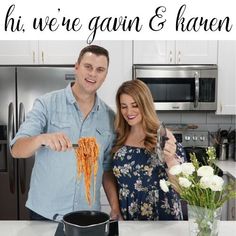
point(205, 120)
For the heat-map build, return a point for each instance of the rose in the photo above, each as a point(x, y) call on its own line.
point(187, 168)
point(175, 170)
point(205, 171)
point(184, 182)
point(215, 183)
point(164, 185)
point(205, 182)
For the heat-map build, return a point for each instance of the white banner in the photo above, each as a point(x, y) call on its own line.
point(123, 19)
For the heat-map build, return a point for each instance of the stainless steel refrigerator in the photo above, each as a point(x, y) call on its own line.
point(19, 86)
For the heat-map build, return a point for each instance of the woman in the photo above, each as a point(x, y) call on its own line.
point(135, 162)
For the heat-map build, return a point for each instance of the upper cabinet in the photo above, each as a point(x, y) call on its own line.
point(18, 52)
point(226, 101)
point(23, 52)
point(59, 52)
point(175, 52)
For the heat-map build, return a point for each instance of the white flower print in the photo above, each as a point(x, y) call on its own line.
point(116, 172)
point(146, 209)
point(133, 208)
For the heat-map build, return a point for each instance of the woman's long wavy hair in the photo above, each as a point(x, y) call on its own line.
point(141, 94)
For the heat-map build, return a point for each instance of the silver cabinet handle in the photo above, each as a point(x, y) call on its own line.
point(196, 75)
point(34, 57)
point(179, 55)
point(10, 159)
point(171, 56)
point(22, 162)
point(43, 57)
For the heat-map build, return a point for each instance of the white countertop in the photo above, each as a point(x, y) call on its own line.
point(137, 228)
point(228, 167)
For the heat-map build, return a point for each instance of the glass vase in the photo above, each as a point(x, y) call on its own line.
point(203, 221)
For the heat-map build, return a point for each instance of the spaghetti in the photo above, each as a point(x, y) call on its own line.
point(87, 163)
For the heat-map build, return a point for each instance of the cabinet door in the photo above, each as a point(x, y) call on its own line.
point(18, 52)
point(154, 52)
point(226, 101)
point(120, 69)
point(60, 51)
point(196, 52)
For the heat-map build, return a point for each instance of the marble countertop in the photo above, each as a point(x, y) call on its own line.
point(137, 228)
point(228, 167)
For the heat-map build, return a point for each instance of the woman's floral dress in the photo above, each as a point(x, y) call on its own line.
point(140, 196)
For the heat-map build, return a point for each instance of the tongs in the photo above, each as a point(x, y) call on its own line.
point(161, 140)
point(74, 145)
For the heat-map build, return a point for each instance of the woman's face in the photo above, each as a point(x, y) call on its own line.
point(129, 110)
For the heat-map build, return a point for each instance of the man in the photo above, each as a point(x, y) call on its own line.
point(57, 120)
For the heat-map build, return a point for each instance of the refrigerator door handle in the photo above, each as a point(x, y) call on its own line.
point(10, 159)
point(22, 162)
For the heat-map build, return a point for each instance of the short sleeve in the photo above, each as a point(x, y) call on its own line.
point(34, 123)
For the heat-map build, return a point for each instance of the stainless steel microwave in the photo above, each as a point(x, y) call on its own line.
point(180, 87)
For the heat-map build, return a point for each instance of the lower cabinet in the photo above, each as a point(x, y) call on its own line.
point(231, 205)
point(229, 208)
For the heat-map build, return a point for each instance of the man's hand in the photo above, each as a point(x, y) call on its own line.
point(59, 142)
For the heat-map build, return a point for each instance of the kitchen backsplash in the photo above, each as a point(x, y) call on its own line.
point(204, 120)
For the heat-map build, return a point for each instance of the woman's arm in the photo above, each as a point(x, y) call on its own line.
point(109, 185)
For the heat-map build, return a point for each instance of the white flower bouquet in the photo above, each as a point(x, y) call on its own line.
point(200, 185)
point(203, 190)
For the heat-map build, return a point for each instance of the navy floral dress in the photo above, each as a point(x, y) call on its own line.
point(140, 196)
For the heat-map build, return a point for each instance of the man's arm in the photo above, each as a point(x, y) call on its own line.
point(26, 146)
point(109, 185)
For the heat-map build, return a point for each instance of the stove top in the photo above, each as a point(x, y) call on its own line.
point(192, 138)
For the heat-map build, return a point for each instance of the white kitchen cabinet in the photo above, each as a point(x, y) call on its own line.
point(59, 52)
point(226, 86)
point(230, 206)
point(175, 52)
point(40, 52)
point(18, 52)
point(120, 69)
point(154, 52)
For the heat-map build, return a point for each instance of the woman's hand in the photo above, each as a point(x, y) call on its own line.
point(116, 215)
point(170, 150)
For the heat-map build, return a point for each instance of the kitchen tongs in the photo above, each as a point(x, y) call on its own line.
point(74, 145)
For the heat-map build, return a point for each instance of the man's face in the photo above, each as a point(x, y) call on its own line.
point(91, 72)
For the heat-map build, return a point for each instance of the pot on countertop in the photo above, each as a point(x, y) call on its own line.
point(86, 223)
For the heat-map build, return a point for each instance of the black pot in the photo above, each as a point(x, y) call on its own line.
point(86, 223)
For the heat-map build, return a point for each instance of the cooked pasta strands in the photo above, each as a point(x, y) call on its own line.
point(87, 163)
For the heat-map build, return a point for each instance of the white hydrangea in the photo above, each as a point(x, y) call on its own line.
point(164, 185)
point(205, 171)
point(187, 168)
point(184, 182)
point(175, 170)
